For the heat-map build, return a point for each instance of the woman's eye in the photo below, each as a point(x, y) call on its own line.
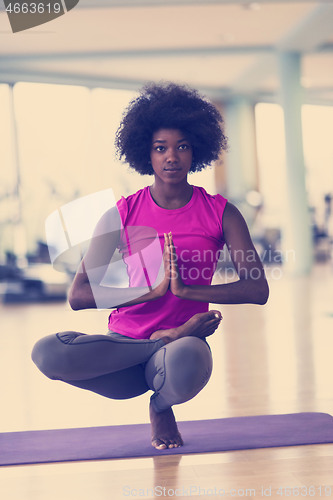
point(159, 148)
point(184, 146)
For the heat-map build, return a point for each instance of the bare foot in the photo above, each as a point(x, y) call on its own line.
point(164, 428)
point(200, 325)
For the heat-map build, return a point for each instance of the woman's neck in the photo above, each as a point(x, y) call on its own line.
point(171, 196)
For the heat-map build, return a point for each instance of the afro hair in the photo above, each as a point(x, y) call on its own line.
point(171, 106)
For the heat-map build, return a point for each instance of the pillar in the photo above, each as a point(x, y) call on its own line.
point(296, 231)
point(241, 159)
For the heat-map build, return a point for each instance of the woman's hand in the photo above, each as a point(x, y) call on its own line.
point(172, 279)
point(177, 286)
point(163, 286)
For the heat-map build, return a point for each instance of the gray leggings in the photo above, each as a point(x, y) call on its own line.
point(120, 367)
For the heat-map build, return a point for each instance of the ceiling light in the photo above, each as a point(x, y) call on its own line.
point(254, 6)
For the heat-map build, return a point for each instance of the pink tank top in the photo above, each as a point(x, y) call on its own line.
point(198, 238)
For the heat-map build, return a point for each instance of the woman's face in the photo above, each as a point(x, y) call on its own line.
point(171, 155)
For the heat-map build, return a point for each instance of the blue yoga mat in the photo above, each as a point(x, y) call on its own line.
point(200, 436)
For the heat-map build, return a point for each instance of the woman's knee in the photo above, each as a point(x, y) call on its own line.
point(189, 365)
point(49, 355)
point(179, 370)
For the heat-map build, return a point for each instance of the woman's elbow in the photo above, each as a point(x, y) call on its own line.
point(74, 302)
point(262, 293)
point(81, 297)
point(75, 299)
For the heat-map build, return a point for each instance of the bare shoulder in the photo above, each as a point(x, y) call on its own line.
point(233, 219)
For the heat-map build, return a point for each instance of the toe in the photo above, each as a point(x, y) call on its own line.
point(216, 314)
point(179, 441)
point(173, 444)
point(158, 444)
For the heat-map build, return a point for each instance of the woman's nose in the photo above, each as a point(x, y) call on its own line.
point(172, 156)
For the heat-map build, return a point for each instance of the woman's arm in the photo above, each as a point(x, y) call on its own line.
point(87, 292)
point(252, 285)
